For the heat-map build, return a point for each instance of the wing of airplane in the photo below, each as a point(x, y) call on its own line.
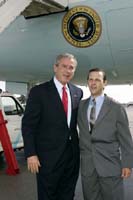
point(29, 45)
point(9, 10)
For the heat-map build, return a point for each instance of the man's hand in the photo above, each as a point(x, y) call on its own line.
point(33, 164)
point(126, 172)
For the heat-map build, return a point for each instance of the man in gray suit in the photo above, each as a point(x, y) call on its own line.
point(105, 142)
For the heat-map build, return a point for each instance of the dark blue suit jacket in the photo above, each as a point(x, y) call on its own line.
point(44, 125)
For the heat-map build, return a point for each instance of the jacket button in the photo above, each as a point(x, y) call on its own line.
point(70, 138)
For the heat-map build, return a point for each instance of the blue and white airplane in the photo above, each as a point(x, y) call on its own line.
point(98, 32)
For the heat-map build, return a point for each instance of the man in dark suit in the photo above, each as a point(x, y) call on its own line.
point(50, 133)
point(105, 142)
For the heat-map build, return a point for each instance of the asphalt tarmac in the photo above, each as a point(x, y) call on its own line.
point(23, 185)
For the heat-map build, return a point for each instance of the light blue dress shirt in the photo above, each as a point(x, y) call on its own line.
point(99, 102)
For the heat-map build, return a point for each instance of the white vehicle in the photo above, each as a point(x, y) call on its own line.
point(12, 111)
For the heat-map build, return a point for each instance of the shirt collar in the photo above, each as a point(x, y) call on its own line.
point(98, 99)
point(58, 84)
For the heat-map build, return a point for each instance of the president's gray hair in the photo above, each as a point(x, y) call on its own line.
point(66, 55)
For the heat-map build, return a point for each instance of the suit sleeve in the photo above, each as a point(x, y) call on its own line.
point(30, 122)
point(125, 139)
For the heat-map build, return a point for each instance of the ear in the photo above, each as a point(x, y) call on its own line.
point(55, 68)
point(105, 82)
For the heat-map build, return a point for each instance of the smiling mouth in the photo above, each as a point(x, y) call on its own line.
point(66, 76)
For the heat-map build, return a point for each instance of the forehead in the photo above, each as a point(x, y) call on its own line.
point(67, 60)
point(96, 74)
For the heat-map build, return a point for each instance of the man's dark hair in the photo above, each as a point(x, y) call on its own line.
point(97, 70)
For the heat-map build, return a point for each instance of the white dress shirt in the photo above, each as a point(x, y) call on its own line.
point(59, 87)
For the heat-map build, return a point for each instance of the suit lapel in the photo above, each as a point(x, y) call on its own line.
point(104, 110)
point(83, 111)
point(56, 100)
point(73, 95)
point(74, 102)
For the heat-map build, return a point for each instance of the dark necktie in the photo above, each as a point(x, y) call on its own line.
point(65, 99)
point(92, 115)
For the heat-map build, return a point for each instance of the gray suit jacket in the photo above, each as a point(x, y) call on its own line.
point(109, 148)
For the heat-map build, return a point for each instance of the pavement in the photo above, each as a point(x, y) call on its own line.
point(23, 185)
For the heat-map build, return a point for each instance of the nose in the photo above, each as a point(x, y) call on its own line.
point(93, 81)
point(68, 69)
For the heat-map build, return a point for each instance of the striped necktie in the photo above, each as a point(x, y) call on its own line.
point(92, 115)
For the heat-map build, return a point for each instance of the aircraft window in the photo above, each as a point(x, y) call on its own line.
point(11, 106)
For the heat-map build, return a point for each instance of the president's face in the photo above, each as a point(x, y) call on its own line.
point(64, 70)
point(96, 83)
